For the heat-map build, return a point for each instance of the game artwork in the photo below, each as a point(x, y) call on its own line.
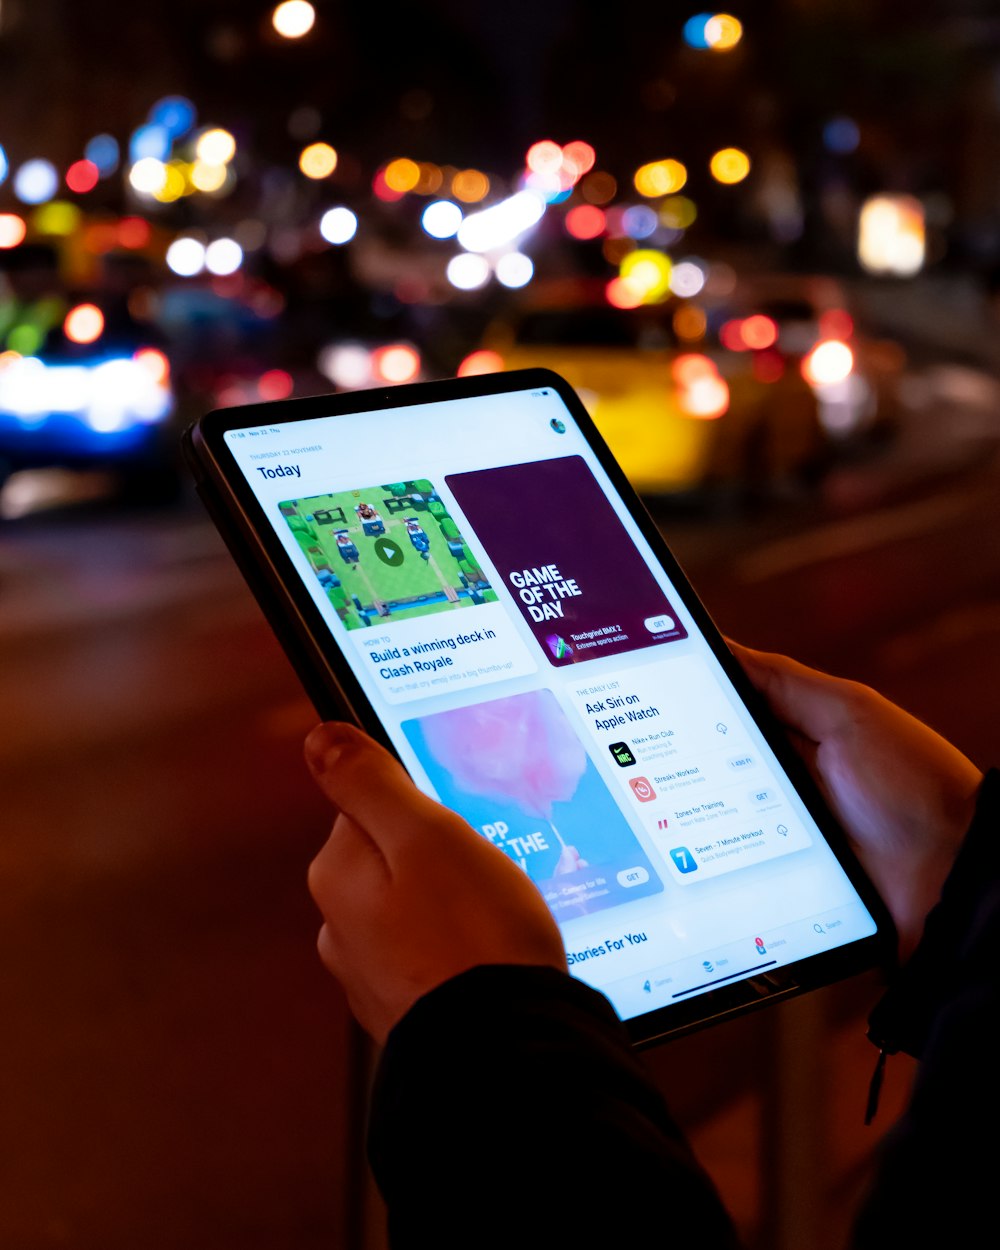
point(516, 770)
point(387, 553)
point(581, 585)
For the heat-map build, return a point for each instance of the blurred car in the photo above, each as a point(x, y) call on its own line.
point(805, 323)
point(82, 385)
point(96, 410)
point(680, 418)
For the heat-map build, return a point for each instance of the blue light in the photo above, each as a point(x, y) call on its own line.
point(695, 30)
point(841, 135)
point(175, 114)
point(4, 165)
point(36, 181)
point(639, 221)
point(103, 151)
point(148, 141)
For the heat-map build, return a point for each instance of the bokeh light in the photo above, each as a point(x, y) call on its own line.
point(514, 270)
point(892, 235)
point(293, 19)
point(729, 165)
point(56, 218)
point(215, 146)
point(395, 363)
point(204, 176)
point(841, 135)
point(723, 32)
point(148, 176)
point(84, 324)
point(470, 186)
point(338, 225)
point(36, 181)
point(223, 256)
point(186, 256)
point(599, 187)
point(82, 176)
point(275, 384)
point(175, 113)
point(12, 230)
point(647, 272)
point(660, 178)
point(687, 278)
point(441, 219)
point(4, 165)
point(829, 362)
point(677, 212)
point(482, 361)
point(544, 157)
point(586, 221)
point(104, 152)
point(468, 272)
point(639, 221)
point(402, 175)
point(318, 160)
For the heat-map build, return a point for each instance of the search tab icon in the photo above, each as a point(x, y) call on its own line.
point(819, 928)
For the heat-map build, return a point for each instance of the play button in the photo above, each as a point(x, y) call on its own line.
point(388, 552)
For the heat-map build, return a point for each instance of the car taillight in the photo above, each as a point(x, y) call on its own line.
point(154, 362)
point(701, 390)
point(829, 362)
point(482, 361)
point(395, 364)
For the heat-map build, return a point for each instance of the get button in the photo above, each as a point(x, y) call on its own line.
point(629, 877)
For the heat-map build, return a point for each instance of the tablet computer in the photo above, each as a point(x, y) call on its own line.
point(461, 568)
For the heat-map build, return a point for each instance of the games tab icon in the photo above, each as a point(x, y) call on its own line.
point(622, 754)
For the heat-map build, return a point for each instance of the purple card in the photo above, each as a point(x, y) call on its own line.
point(566, 558)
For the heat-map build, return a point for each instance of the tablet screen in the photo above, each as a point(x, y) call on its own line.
point(540, 671)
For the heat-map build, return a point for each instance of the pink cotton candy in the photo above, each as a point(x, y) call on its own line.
point(521, 749)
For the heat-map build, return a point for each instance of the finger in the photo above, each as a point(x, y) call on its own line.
point(813, 704)
point(348, 867)
point(368, 784)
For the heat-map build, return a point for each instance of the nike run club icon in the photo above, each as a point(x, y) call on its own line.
point(642, 789)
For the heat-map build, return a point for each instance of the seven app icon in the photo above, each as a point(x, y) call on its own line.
point(684, 861)
point(622, 753)
point(642, 789)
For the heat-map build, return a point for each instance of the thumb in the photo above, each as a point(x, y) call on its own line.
point(809, 702)
point(368, 784)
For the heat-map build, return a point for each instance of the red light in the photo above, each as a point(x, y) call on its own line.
point(759, 332)
point(84, 324)
point(82, 176)
point(768, 366)
point(154, 362)
point(585, 221)
point(275, 384)
point(397, 363)
point(480, 362)
point(619, 294)
point(731, 336)
point(383, 190)
point(133, 232)
point(544, 157)
point(580, 155)
point(836, 323)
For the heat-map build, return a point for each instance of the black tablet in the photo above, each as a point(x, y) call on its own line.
point(461, 568)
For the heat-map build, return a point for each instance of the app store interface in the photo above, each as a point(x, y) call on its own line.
point(538, 673)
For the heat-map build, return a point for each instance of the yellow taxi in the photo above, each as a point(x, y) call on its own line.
point(679, 419)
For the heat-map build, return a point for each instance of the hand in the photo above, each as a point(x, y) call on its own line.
point(903, 794)
point(411, 895)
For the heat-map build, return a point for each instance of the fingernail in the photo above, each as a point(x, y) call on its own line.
point(323, 747)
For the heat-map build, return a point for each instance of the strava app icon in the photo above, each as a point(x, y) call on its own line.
point(642, 789)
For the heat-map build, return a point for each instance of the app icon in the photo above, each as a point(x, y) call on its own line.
point(761, 948)
point(622, 753)
point(642, 789)
point(708, 965)
point(684, 861)
point(560, 648)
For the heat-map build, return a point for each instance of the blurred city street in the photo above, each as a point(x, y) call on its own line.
point(763, 246)
point(176, 1062)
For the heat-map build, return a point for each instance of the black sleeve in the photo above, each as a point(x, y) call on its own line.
point(934, 1181)
point(510, 1110)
